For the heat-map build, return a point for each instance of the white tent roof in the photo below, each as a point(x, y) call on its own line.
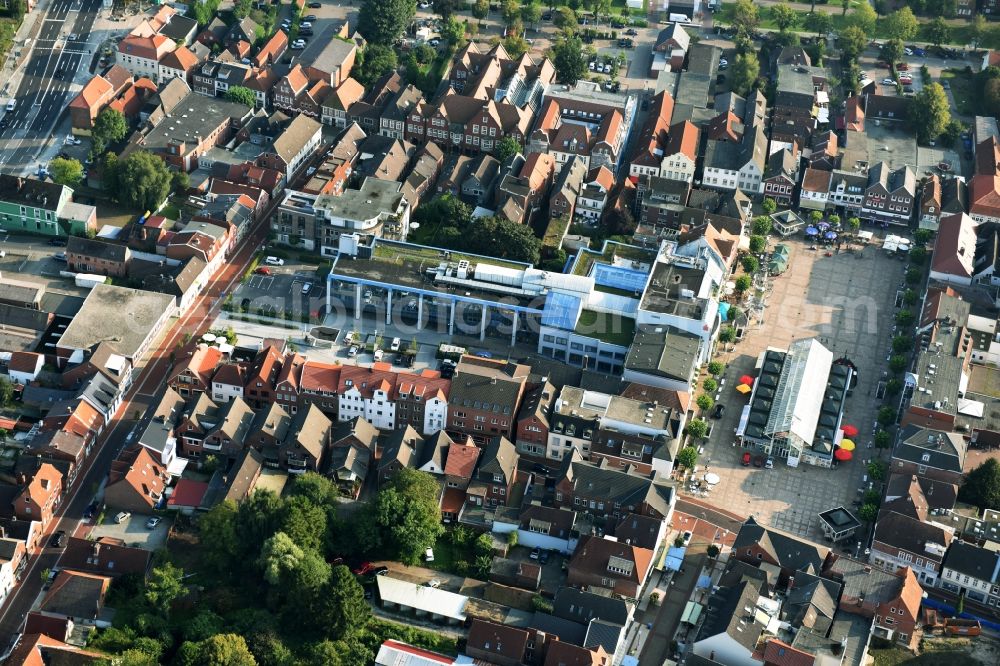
point(421, 597)
point(799, 396)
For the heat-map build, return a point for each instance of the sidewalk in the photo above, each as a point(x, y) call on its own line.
point(14, 63)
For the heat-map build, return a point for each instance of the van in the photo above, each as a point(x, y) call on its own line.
point(395, 344)
point(122, 516)
point(378, 355)
point(679, 18)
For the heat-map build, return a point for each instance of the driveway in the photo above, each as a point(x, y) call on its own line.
point(133, 531)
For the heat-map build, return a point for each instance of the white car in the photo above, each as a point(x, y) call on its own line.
point(353, 351)
point(888, 82)
point(434, 42)
point(908, 51)
point(723, 61)
point(274, 261)
point(297, 45)
point(307, 287)
point(429, 555)
point(72, 141)
point(305, 24)
point(396, 342)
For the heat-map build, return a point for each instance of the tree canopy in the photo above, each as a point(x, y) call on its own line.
point(930, 112)
point(385, 21)
point(568, 58)
point(109, 127)
point(506, 147)
point(901, 24)
point(405, 516)
point(373, 62)
point(982, 486)
point(241, 95)
point(688, 456)
point(143, 180)
point(66, 171)
point(744, 72)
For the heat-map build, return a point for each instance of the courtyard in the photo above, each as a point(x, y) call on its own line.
point(846, 301)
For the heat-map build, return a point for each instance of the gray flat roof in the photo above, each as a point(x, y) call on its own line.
point(20, 291)
point(376, 197)
point(663, 350)
point(118, 315)
point(195, 116)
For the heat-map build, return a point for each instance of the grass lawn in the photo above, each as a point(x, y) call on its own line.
point(111, 213)
point(171, 211)
point(962, 89)
point(610, 328)
point(899, 657)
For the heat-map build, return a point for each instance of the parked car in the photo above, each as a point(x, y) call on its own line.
point(153, 522)
point(631, 32)
point(769, 463)
point(902, 67)
point(888, 82)
point(687, 537)
point(307, 287)
point(746, 459)
point(362, 568)
point(379, 571)
point(298, 45)
point(314, 5)
point(536, 553)
point(274, 261)
point(58, 539)
point(396, 342)
point(377, 356)
point(720, 409)
point(353, 351)
point(263, 270)
point(60, 257)
point(434, 582)
point(309, 17)
point(122, 516)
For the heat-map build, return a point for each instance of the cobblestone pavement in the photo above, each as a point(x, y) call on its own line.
point(847, 301)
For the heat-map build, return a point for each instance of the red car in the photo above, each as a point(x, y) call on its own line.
point(902, 67)
point(263, 270)
point(362, 568)
point(746, 459)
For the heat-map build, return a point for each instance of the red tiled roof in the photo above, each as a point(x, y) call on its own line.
point(23, 361)
point(188, 492)
point(683, 139)
point(297, 79)
point(461, 460)
point(316, 376)
point(94, 93)
point(180, 58)
point(453, 500)
point(367, 380)
point(271, 51)
point(777, 653)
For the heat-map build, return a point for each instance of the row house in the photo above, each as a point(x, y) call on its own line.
point(605, 563)
point(494, 478)
point(902, 541)
point(466, 123)
point(95, 95)
point(973, 572)
point(891, 601)
point(287, 90)
point(584, 487)
point(262, 377)
point(593, 196)
point(680, 154)
point(316, 383)
point(485, 397)
point(940, 198)
point(531, 436)
point(494, 74)
point(592, 130)
point(229, 432)
point(261, 83)
point(214, 78)
point(334, 109)
point(331, 55)
point(422, 401)
point(823, 152)
point(422, 176)
point(366, 393)
point(847, 191)
point(396, 114)
point(307, 441)
point(141, 55)
point(652, 141)
point(352, 450)
point(40, 496)
point(208, 241)
point(781, 176)
point(340, 161)
point(288, 382)
point(566, 189)
point(732, 166)
point(984, 188)
point(293, 147)
point(193, 373)
point(890, 195)
point(272, 51)
point(520, 197)
point(814, 194)
point(92, 255)
point(726, 126)
point(179, 63)
point(367, 112)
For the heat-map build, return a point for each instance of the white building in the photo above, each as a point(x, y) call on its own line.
point(377, 209)
point(141, 55)
point(973, 571)
point(371, 403)
point(814, 192)
point(731, 166)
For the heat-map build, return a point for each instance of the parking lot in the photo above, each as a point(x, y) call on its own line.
point(132, 531)
point(293, 289)
point(847, 302)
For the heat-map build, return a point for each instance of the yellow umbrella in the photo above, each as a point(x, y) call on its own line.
point(847, 445)
point(743, 388)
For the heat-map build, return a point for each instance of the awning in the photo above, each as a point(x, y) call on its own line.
point(743, 388)
point(692, 611)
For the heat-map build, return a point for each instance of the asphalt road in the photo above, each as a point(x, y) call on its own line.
point(43, 91)
point(141, 396)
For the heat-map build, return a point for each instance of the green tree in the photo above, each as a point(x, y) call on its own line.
point(978, 30)
point(516, 45)
point(568, 58)
point(913, 276)
point(727, 334)
point(982, 486)
point(734, 314)
point(688, 457)
point(744, 72)
point(938, 31)
point(865, 18)
point(241, 95)
point(143, 181)
point(219, 544)
point(564, 18)
point(893, 386)
point(882, 439)
point(385, 21)
point(242, 8)
point(180, 181)
point(373, 62)
point(745, 18)
point(909, 297)
point(716, 368)
point(164, 586)
point(710, 385)
point(446, 8)
point(846, 5)
point(853, 42)
point(757, 244)
point(868, 513)
point(705, 402)
point(696, 428)
point(769, 205)
point(901, 24)
point(304, 522)
point(898, 363)
point(110, 127)
point(761, 225)
point(743, 284)
point(319, 490)
point(506, 147)
point(453, 30)
point(66, 171)
point(407, 514)
point(818, 22)
point(503, 239)
point(510, 10)
point(892, 51)
point(930, 112)
point(219, 650)
point(902, 344)
point(750, 263)
point(481, 9)
point(904, 318)
point(876, 470)
point(886, 416)
point(918, 256)
point(784, 16)
point(853, 223)
point(341, 609)
point(531, 13)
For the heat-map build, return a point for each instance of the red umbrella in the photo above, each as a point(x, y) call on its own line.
point(849, 430)
point(842, 454)
point(746, 379)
